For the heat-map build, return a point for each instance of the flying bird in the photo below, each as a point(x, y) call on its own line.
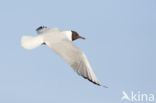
point(61, 43)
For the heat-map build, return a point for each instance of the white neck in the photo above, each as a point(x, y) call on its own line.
point(69, 35)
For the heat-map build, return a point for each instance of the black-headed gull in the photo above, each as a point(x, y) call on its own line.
point(61, 43)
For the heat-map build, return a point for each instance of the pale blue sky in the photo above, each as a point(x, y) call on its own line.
point(120, 45)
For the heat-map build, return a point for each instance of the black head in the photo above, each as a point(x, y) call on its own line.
point(75, 36)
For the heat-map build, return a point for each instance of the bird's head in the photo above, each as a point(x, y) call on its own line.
point(75, 36)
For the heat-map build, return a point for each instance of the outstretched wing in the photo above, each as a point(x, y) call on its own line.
point(44, 29)
point(41, 29)
point(75, 58)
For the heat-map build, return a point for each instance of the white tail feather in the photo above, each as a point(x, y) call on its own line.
point(31, 42)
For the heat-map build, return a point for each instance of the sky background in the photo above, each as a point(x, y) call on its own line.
point(120, 45)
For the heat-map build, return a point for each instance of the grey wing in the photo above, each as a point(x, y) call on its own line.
point(41, 29)
point(44, 29)
point(75, 58)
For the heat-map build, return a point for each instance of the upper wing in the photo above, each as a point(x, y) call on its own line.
point(44, 29)
point(41, 29)
point(75, 58)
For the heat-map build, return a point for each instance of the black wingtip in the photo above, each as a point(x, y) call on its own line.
point(95, 82)
point(92, 81)
point(40, 28)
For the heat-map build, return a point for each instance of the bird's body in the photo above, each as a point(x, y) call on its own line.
point(61, 43)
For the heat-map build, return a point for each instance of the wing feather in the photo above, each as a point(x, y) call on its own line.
point(75, 58)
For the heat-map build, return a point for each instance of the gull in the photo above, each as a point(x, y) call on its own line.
point(61, 43)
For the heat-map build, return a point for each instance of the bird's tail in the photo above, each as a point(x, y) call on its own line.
point(31, 42)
